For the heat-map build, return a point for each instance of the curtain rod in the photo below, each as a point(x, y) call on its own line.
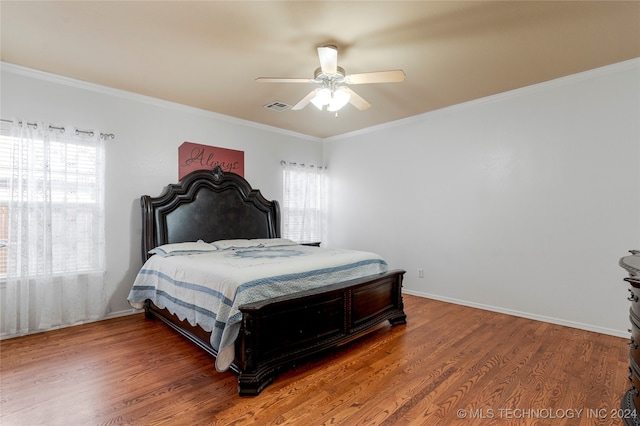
point(62, 129)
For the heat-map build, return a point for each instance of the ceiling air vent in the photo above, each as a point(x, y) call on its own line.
point(277, 106)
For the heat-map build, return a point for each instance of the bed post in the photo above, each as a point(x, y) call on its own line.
point(147, 227)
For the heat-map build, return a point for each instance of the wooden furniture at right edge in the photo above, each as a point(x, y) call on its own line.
point(631, 399)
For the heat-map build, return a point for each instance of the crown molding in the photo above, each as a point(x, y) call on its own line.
point(123, 94)
point(585, 75)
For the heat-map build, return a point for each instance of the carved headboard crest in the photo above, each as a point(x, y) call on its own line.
point(217, 174)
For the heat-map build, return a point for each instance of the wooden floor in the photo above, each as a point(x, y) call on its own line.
point(450, 365)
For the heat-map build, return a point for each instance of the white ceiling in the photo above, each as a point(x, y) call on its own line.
point(207, 54)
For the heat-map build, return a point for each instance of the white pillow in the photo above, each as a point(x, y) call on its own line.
point(183, 249)
point(252, 243)
point(273, 242)
point(234, 244)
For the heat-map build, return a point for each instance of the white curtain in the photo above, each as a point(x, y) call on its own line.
point(52, 200)
point(304, 202)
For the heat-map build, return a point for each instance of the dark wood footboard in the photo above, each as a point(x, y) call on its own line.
point(277, 332)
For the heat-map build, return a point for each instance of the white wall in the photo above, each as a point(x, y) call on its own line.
point(521, 203)
point(143, 157)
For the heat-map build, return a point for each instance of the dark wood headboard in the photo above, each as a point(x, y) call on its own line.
point(209, 206)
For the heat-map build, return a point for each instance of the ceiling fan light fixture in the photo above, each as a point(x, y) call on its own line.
point(322, 98)
point(339, 99)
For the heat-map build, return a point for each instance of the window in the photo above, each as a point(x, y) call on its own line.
point(51, 226)
point(56, 178)
point(304, 202)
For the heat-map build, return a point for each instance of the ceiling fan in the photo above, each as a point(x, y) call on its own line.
point(334, 92)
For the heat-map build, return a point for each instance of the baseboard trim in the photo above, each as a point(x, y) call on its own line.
point(121, 314)
point(528, 315)
point(110, 315)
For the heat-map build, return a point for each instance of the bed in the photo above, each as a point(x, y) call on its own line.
point(219, 217)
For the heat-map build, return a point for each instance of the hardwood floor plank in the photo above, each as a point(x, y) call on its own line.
point(447, 358)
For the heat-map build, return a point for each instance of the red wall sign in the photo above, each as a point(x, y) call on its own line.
point(193, 156)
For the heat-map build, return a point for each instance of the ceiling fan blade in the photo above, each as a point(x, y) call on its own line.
point(357, 100)
point(284, 80)
point(305, 101)
point(394, 76)
point(328, 59)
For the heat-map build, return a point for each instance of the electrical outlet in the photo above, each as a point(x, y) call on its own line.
point(420, 273)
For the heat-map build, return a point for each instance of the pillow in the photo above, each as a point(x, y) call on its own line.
point(183, 249)
point(273, 242)
point(234, 244)
point(252, 243)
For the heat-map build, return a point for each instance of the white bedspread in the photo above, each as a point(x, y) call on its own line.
point(207, 289)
